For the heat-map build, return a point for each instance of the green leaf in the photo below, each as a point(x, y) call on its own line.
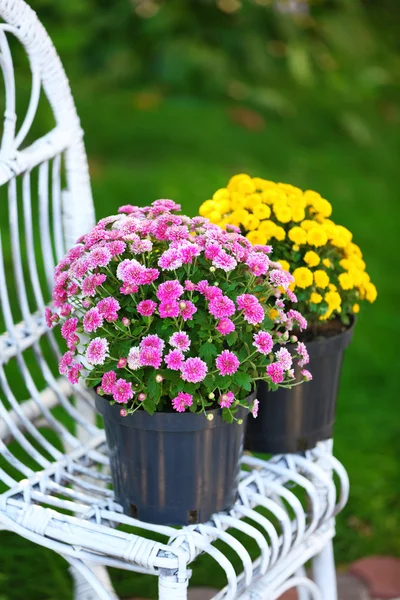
point(244, 380)
point(231, 338)
point(207, 351)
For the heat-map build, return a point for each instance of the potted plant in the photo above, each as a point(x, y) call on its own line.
point(329, 283)
point(161, 314)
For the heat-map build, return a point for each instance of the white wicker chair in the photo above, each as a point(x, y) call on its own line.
point(59, 496)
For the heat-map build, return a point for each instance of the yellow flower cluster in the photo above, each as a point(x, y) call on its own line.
point(328, 269)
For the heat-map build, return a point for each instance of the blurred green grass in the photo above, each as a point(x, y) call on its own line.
point(184, 149)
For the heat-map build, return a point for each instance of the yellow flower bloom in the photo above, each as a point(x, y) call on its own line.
point(303, 277)
point(206, 208)
point(346, 281)
point(317, 237)
point(238, 201)
point(307, 224)
point(345, 263)
point(279, 233)
point(221, 194)
point(327, 263)
point(332, 287)
point(323, 207)
point(297, 235)
point(283, 212)
point(341, 236)
point(257, 237)
point(311, 258)
point(262, 184)
point(238, 216)
point(321, 279)
point(315, 298)
point(357, 262)
point(310, 197)
point(241, 183)
point(214, 216)
point(356, 275)
point(251, 222)
point(284, 264)
point(223, 206)
point(298, 213)
point(333, 299)
point(253, 200)
point(356, 308)
point(261, 211)
point(273, 313)
point(351, 249)
point(289, 188)
point(370, 292)
point(268, 228)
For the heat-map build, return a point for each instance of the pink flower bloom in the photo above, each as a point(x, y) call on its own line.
point(292, 296)
point(225, 326)
point(109, 307)
point(174, 359)
point(246, 301)
point(72, 288)
point(202, 286)
point(254, 410)
point(275, 371)
point(281, 278)
point(149, 275)
point(130, 271)
point(284, 357)
point(176, 233)
point(117, 247)
point(258, 263)
point(224, 261)
point(121, 364)
point(302, 350)
point(226, 400)
point(107, 382)
point(87, 302)
point(69, 327)
point(152, 341)
point(79, 268)
point(306, 374)
point(180, 340)
point(146, 307)
point(122, 391)
point(66, 310)
point(296, 316)
point(48, 317)
point(260, 248)
point(187, 309)
point(134, 358)
point(99, 257)
point(189, 286)
point(150, 357)
point(72, 342)
point(168, 309)
point(211, 251)
point(221, 307)
point(263, 342)
point(170, 260)
point(182, 401)
point(279, 303)
point(187, 252)
point(169, 291)
point(233, 228)
point(73, 373)
point(92, 320)
point(66, 361)
point(90, 284)
point(212, 291)
point(97, 351)
point(227, 362)
point(128, 289)
point(194, 370)
point(253, 312)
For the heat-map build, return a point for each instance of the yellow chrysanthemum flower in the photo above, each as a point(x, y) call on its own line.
point(283, 212)
point(327, 263)
point(262, 184)
point(238, 201)
point(323, 207)
point(284, 264)
point(307, 224)
point(253, 200)
point(261, 211)
point(250, 222)
point(345, 263)
point(206, 208)
point(356, 308)
point(311, 258)
point(357, 262)
point(341, 236)
point(297, 235)
point(332, 287)
point(303, 277)
point(241, 183)
point(321, 279)
point(223, 206)
point(267, 227)
point(346, 282)
point(315, 298)
point(351, 249)
point(214, 216)
point(317, 237)
point(221, 194)
point(279, 233)
point(298, 214)
point(257, 237)
point(273, 313)
point(370, 292)
point(333, 299)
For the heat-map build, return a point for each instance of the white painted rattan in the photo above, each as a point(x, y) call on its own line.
point(60, 496)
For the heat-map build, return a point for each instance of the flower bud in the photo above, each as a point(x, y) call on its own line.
point(210, 417)
point(125, 321)
point(142, 396)
point(209, 340)
point(293, 339)
point(182, 305)
point(216, 283)
point(211, 395)
point(159, 378)
point(240, 421)
point(100, 391)
point(212, 269)
point(123, 412)
point(286, 336)
point(122, 363)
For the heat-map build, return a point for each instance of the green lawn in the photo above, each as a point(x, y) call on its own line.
point(184, 149)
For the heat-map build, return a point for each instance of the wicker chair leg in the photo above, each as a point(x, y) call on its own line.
point(324, 574)
point(169, 588)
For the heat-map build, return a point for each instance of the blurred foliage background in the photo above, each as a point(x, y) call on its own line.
point(175, 97)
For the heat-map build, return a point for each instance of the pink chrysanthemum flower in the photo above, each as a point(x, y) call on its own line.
point(92, 320)
point(281, 278)
point(73, 373)
point(149, 275)
point(134, 358)
point(226, 400)
point(180, 340)
point(187, 309)
point(202, 286)
point(296, 316)
point(72, 342)
point(263, 342)
point(302, 350)
point(170, 260)
point(174, 359)
point(169, 291)
point(211, 251)
point(292, 296)
point(122, 391)
point(258, 263)
point(227, 363)
point(224, 261)
point(189, 286)
point(284, 357)
point(276, 372)
point(117, 247)
point(212, 292)
point(168, 309)
point(221, 307)
point(254, 410)
point(194, 370)
point(128, 289)
point(97, 351)
point(187, 252)
point(260, 248)
point(253, 312)
point(307, 375)
point(130, 271)
point(69, 327)
point(150, 357)
point(79, 268)
point(109, 307)
point(65, 362)
point(152, 341)
point(182, 401)
point(225, 326)
point(146, 307)
point(66, 310)
point(99, 257)
point(91, 283)
point(107, 382)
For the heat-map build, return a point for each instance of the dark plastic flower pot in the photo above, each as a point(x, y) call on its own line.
point(292, 420)
point(173, 468)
